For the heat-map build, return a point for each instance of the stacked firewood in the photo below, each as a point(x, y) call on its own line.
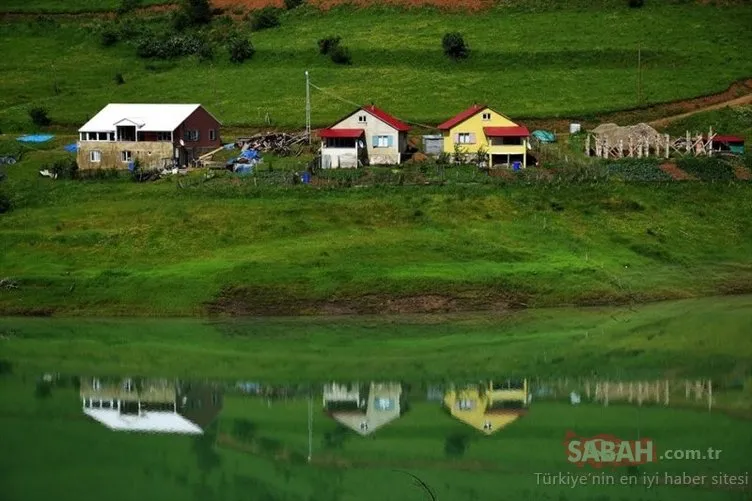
point(279, 143)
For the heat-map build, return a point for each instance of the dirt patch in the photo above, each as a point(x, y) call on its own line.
point(675, 172)
point(742, 173)
point(241, 301)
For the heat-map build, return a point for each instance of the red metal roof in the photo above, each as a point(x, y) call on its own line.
point(387, 118)
point(728, 139)
point(461, 117)
point(332, 133)
point(516, 131)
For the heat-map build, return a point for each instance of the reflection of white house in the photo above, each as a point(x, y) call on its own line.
point(363, 411)
point(367, 136)
point(150, 405)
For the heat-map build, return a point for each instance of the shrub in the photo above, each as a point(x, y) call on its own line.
point(454, 46)
point(205, 52)
point(108, 37)
point(455, 445)
point(240, 49)
point(119, 79)
point(328, 43)
point(198, 11)
point(636, 4)
point(168, 48)
point(127, 6)
point(5, 203)
point(265, 18)
point(340, 55)
point(180, 21)
point(293, 4)
point(39, 116)
point(66, 168)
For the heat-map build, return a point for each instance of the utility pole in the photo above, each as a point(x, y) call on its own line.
point(310, 418)
point(308, 107)
point(639, 75)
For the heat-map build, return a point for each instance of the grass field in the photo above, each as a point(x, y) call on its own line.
point(68, 6)
point(571, 62)
point(81, 458)
point(704, 337)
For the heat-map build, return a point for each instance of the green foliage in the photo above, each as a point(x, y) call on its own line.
point(336, 438)
point(119, 80)
point(638, 170)
point(328, 43)
point(43, 389)
point(109, 36)
point(128, 6)
point(340, 54)
point(293, 4)
point(205, 52)
point(240, 49)
point(40, 116)
point(636, 4)
point(244, 429)
point(265, 18)
point(454, 46)
point(198, 12)
point(153, 47)
point(5, 202)
point(707, 169)
point(66, 168)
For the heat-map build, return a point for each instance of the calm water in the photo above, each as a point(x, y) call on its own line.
point(87, 436)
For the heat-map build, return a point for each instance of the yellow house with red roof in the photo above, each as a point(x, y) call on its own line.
point(482, 129)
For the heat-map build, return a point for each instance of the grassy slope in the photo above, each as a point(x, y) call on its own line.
point(527, 64)
point(67, 6)
point(136, 466)
point(154, 249)
point(706, 337)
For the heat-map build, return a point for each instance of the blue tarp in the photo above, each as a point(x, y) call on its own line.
point(250, 155)
point(35, 138)
point(544, 136)
point(71, 148)
point(244, 169)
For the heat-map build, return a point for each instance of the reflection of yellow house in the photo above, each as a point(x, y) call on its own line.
point(490, 406)
point(363, 411)
point(479, 128)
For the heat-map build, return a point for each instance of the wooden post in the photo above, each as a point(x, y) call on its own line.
point(689, 143)
point(668, 145)
point(710, 142)
point(631, 147)
point(587, 389)
point(686, 389)
point(710, 395)
point(639, 393)
point(606, 150)
point(621, 389)
point(631, 391)
point(621, 148)
point(657, 392)
point(605, 401)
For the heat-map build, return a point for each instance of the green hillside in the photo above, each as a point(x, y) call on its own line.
point(549, 62)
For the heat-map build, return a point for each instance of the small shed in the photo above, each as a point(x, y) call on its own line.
point(728, 144)
point(433, 145)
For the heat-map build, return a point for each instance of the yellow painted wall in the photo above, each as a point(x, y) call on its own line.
point(474, 125)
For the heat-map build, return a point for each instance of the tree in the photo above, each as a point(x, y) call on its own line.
point(240, 49)
point(198, 11)
point(39, 116)
point(328, 43)
point(454, 46)
point(636, 4)
point(268, 17)
point(127, 6)
point(292, 4)
point(340, 55)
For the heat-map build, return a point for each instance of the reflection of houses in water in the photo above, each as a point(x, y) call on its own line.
point(489, 406)
point(153, 405)
point(363, 409)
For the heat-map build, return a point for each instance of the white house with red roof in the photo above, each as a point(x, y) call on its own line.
point(367, 136)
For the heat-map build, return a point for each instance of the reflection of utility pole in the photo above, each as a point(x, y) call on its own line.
point(310, 424)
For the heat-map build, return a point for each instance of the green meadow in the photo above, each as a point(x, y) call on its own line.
point(701, 337)
point(81, 458)
point(67, 6)
point(573, 61)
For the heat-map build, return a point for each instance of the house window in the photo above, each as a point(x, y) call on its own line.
point(464, 138)
point(362, 119)
point(212, 134)
point(95, 156)
point(112, 136)
point(92, 136)
point(102, 136)
point(163, 136)
point(465, 405)
point(382, 141)
point(191, 135)
point(125, 156)
point(486, 117)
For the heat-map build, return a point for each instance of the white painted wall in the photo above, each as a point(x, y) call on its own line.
point(375, 127)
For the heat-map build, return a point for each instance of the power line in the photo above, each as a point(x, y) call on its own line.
point(335, 96)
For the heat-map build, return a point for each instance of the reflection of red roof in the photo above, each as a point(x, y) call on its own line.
point(728, 139)
point(387, 118)
point(333, 133)
point(461, 117)
point(506, 131)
